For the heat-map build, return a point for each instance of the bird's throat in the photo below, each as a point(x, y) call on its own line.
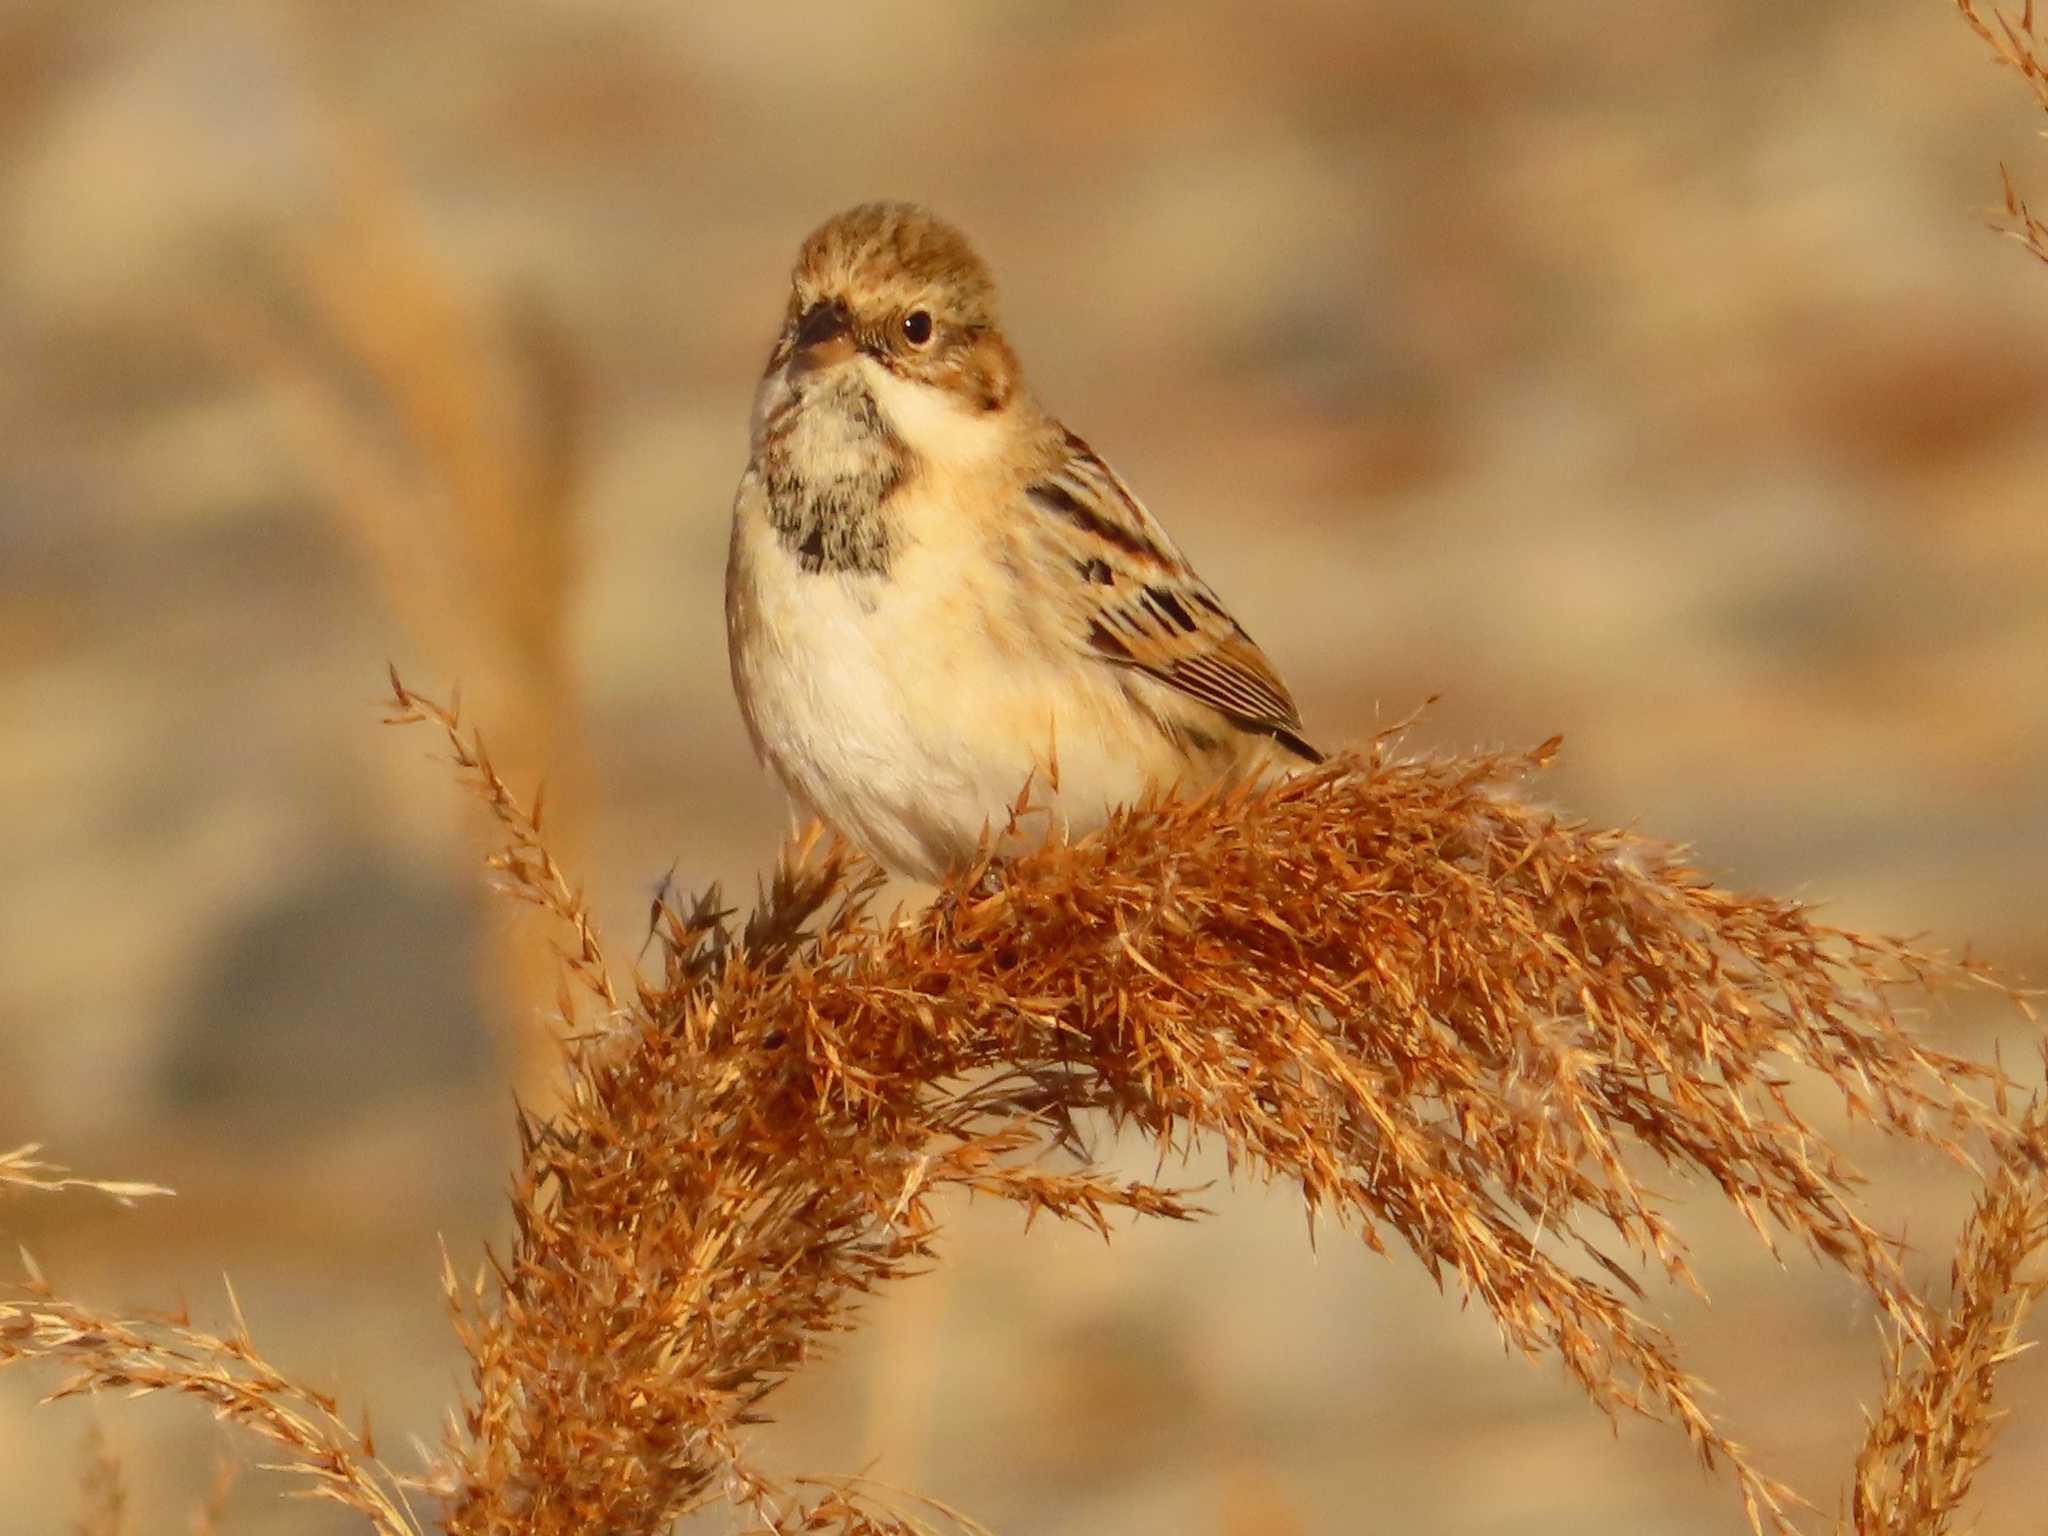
point(829, 464)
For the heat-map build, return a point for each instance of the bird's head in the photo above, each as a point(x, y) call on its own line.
point(889, 297)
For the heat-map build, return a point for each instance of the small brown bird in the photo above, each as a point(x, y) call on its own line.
point(937, 592)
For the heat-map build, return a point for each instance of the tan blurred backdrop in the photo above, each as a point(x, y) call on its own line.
point(1635, 370)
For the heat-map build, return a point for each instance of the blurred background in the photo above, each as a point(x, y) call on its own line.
point(1629, 369)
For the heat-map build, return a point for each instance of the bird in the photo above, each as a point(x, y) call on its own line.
point(942, 604)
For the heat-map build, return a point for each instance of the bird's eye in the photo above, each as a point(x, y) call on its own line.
point(917, 327)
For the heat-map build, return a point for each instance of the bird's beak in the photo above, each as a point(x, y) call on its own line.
point(824, 336)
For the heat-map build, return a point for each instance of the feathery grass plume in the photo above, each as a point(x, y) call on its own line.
point(139, 1355)
point(2016, 42)
point(1447, 1016)
point(1934, 1430)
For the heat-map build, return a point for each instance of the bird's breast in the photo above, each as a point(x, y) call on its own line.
point(910, 707)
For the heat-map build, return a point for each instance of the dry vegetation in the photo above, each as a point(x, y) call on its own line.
point(1459, 1024)
point(1934, 1428)
point(2015, 40)
point(21, 1169)
point(1450, 1018)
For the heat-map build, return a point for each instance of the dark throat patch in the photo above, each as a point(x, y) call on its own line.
point(829, 468)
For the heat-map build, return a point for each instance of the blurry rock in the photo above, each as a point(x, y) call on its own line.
point(354, 988)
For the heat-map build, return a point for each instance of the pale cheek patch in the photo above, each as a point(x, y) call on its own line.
point(937, 424)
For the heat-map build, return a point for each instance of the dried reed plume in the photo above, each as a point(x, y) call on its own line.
point(1447, 1016)
point(1450, 1018)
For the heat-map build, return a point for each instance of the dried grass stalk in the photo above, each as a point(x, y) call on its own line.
point(103, 1493)
point(447, 437)
point(2016, 42)
point(141, 1355)
point(207, 1516)
point(22, 1169)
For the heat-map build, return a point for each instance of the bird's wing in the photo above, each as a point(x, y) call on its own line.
point(1143, 606)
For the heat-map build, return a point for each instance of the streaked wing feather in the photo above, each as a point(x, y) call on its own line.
point(1146, 608)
